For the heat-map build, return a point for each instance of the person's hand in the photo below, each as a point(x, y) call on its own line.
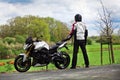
point(66, 39)
point(63, 40)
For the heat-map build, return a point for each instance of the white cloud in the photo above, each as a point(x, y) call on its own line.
point(63, 10)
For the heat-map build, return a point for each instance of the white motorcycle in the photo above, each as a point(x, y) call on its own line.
point(38, 53)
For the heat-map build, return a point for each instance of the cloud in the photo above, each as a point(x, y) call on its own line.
point(16, 1)
point(63, 10)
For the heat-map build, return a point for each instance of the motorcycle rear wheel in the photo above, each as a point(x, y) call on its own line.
point(62, 61)
point(21, 66)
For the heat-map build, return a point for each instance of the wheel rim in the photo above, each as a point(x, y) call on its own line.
point(22, 66)
point(63, 62)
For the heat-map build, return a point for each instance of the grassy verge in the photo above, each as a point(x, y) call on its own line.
point(93, 54)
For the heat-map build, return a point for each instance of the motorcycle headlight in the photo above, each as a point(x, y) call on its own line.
point(26, 46)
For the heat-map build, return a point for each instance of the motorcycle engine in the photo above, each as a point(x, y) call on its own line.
point(41, 56)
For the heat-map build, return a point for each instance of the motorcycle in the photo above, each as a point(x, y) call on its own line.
point(38, 53)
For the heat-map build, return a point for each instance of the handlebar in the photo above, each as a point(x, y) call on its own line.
point(62, 44)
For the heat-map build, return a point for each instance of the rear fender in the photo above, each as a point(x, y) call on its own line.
point(24, 56)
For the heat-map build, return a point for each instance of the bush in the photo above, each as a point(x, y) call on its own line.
point(3, 50)
point(20, 39)
point(8, 49)
point(89, 41)
point(9, 40)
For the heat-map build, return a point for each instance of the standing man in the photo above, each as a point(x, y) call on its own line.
point(80, 38)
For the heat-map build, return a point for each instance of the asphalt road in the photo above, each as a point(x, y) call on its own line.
point(107, 72)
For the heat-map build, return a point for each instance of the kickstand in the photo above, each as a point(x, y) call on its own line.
point(47, 68)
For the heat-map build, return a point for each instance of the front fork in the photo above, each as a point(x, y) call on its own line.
point(24, 55)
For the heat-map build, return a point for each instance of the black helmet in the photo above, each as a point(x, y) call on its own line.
point(78, 18)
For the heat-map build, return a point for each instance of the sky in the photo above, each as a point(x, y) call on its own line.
point(63, 10)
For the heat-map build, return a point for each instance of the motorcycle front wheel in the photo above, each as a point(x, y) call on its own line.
point(21, 66)
point(62, 61)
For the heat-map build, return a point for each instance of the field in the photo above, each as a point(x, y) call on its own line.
point(93, 54)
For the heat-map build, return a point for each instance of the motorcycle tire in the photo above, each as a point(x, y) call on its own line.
point(62, 61)
point(21, 66)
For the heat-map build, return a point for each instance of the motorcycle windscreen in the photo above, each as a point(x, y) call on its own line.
point(40, 45)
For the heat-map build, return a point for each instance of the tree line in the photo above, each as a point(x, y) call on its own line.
point(49, 28)
point(14, 33)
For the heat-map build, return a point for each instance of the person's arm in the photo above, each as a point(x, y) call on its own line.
point(70, 34)
point(68, 38)
point(86, 35)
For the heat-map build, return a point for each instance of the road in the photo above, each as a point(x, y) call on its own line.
point(107, 72)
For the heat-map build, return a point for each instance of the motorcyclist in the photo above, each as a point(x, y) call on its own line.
point(80, 34)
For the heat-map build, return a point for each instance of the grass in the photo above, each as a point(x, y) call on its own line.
point(93, 54)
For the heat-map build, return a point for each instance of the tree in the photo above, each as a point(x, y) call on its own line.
point(106, 21)
point(106, 28)
point(58, 30)
point(38, 28)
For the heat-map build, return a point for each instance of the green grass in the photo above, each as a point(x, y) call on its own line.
point(93, 54)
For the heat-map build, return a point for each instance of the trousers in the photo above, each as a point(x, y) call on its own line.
point(82, 45)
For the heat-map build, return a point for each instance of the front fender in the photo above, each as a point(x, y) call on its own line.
point(24, 56)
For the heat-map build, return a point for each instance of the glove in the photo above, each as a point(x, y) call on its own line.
point(68, 38)
point(64, 40)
